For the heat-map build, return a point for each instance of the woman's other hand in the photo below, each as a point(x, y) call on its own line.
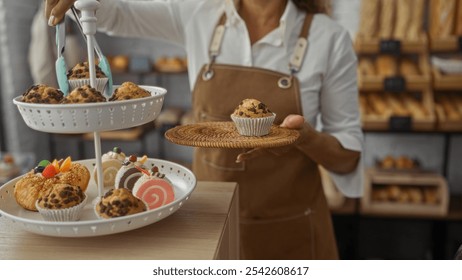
point(55, 10)
point(291, 122)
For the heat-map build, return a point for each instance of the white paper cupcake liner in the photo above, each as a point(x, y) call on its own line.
point(62, 215)
point(100, 84)
point(253, 126)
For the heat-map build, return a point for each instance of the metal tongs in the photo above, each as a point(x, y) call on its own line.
point(103, 63)
point(61, 68)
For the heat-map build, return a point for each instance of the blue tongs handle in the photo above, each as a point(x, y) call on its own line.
point(61, 67)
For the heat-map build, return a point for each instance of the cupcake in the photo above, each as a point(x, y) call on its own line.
point(253, 118)
point(119, 203)
point(61, 202)
point(84, 94)
point(79, 76)
point(42, 94)
point(129, 90)
point(154, 189)
point(111, 163)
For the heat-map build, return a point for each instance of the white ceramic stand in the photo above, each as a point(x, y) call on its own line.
point(88, 19)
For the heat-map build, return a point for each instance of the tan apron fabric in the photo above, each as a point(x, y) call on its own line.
point(283, 210)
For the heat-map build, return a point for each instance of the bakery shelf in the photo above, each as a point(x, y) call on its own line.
point(446, 82)
point(420, 81)
point(389, 120)
point(447, 44)
point(448, 108)
point(372, 45)
point(389, 194)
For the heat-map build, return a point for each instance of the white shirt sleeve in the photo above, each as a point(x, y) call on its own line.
point(339, 109)
point(135, 19)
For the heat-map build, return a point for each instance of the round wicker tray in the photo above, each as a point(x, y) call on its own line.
point(225, 135)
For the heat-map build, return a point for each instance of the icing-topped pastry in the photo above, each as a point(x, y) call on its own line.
point(42, 94)
point(154, 189)
point(118, 203)
point(128, 174)
point(111, 163)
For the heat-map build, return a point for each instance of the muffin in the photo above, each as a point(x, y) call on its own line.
point(129, 90)
point(253, 118)
point(84, 94)
point(42, 94)
point(61, 202)
point(79, 76)
point(119, 203)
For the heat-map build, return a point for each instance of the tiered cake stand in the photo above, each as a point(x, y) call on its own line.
point(95, 117)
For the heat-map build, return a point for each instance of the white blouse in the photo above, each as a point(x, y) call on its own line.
point(327, 78)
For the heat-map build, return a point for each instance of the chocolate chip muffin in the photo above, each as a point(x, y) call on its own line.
point(61, 196)
point(42, 94)
point(81, 71)
point(119, 203)
point(129, 90)
point(252, 108)
point(84, 94)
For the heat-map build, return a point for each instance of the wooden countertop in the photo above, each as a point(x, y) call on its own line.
point(205, 227)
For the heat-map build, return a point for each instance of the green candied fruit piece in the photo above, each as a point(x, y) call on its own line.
point(117, 150)
point(44, 163)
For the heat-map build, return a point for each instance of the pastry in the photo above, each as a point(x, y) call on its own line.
point(79, 76)
point(129, 172)
point(120, 63)
point(387, 163)
point(32, 185)
point(61, 202)
point(404, 162)
point(129, 90)
point(119, 203)
point(8, 167)
point(154, 189)
point(42, 94)
point(253, 118)
point(84, 94)
point(111, 163)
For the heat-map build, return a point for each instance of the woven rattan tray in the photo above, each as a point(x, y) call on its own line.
point(225, 135)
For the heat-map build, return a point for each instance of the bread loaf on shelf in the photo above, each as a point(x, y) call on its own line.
point(369, 18)
point(415, 29)
point(387, 19)
point(386, 65)
point(366, 67)
point(379, 105)
point(442, 18)
point(408, 67)
point(403, 18)
point(458, 23)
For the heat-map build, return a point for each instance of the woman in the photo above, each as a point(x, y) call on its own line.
point(283, 211)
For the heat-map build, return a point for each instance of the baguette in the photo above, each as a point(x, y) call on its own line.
point(403, 18)
point(450, 109)
point(366, 67)
point(396, 106)
point(386, 65)
point(415, 29)
point(458, 23)
point(415, 108)
point(379, 105)
point(442, 18)
point(387, 18)
point(407, 67)
point(369, 16)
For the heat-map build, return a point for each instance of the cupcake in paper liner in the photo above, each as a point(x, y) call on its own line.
point(61, 203)
point(79, 76)
point(253, 118)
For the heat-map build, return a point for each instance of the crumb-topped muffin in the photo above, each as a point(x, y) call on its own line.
point(82, 71)
point(253, 118)
point(118, 203)
point(252, 108)
point(42, 94)
point(84, 94)
point(61, 202)
point(129, 90)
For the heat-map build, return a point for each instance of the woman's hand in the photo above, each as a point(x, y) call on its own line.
point(55, 10)
point(292, 122)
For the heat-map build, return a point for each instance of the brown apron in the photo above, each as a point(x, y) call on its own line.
point(283, 210)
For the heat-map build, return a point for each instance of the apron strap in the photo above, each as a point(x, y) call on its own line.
point(295, 62)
